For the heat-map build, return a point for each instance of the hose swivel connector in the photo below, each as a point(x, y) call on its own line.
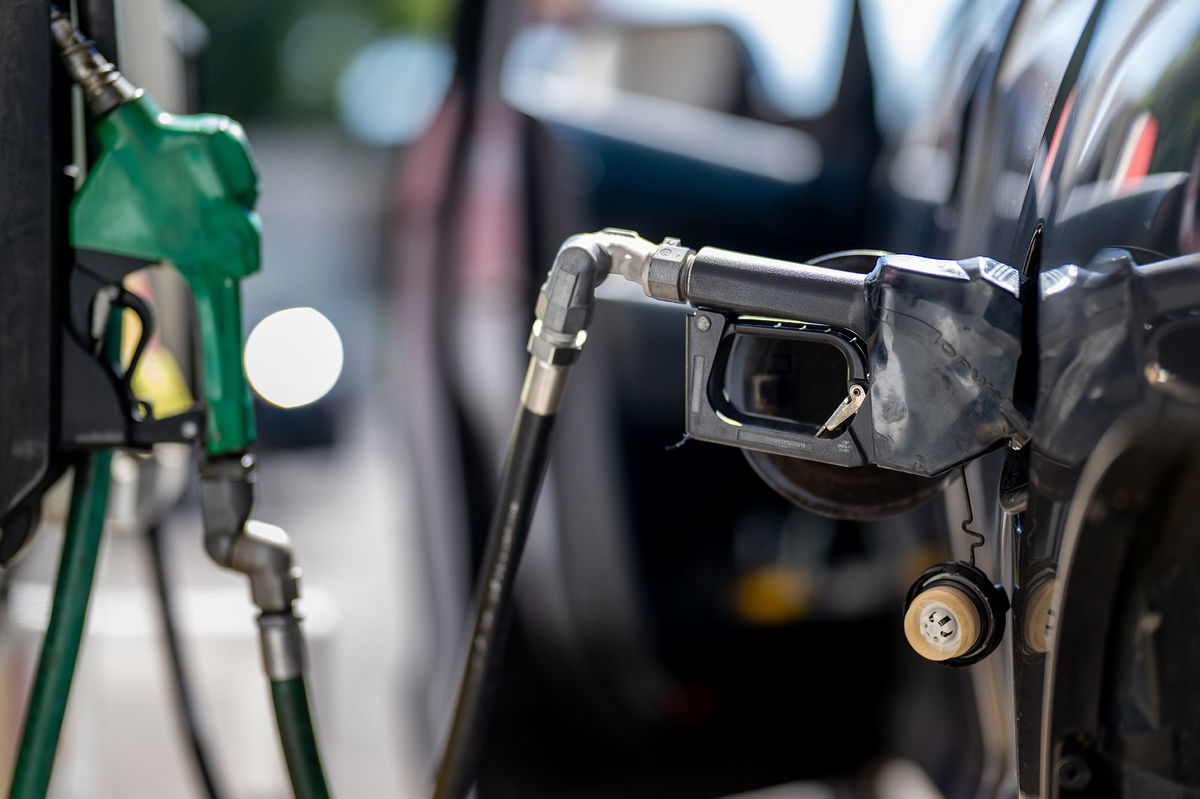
point(104, 87)
point(258, 550)
point(565, 302)
point(564, 308)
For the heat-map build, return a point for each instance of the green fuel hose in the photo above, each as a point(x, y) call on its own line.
point(60, 649)
point(292, 714)
point(68, 614)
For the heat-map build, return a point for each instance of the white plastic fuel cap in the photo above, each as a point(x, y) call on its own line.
point(942, 623)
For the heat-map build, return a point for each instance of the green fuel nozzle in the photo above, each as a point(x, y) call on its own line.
point(178, 190)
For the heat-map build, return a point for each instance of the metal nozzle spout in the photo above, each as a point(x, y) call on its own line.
point(104, 87)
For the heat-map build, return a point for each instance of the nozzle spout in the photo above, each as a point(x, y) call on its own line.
point(104, 87)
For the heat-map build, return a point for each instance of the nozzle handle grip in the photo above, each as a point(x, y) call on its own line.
point(750, 284)
point(230, 407)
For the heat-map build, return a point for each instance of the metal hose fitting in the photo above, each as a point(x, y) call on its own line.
point(565, 302)
point(258, 550)
point(104, 87)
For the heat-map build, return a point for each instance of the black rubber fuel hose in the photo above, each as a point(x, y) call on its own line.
point(520, 483)
point(185, 702)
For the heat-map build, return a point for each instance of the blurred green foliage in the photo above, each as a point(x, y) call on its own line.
point(280, 59)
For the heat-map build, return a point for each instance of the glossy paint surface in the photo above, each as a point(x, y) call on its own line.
point(1079, 131)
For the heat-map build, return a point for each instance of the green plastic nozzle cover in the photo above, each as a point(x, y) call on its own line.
point(181, 190)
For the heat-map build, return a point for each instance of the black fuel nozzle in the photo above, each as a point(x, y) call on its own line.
point(929, 347)
point(930, 350)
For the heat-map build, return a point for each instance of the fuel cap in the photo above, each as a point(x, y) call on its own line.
point(954, 614)
point(942, 623)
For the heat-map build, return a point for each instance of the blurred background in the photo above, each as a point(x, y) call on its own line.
point(683, 630)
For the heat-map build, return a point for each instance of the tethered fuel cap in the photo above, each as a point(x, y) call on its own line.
point(942, 623)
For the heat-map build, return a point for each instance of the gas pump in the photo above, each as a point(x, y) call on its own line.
point(176, 191)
